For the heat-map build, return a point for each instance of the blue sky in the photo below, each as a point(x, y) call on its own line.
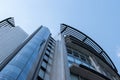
point(100, 19)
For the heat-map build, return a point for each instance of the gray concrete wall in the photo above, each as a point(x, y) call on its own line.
point(58, 72)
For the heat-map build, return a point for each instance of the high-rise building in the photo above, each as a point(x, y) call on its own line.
point(11, 37)
point(74, 56)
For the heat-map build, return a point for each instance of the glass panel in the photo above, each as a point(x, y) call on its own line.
point(77, 61)
point(52, 51)
point(70, 58)
point(48, 49)
point(49, 46)
point(51, 55)
point(47, 52)
point(50, 43)
point(46, 57)
point(41, 73)
point(44, 64)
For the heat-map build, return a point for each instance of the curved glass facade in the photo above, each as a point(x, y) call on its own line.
point(23, 65)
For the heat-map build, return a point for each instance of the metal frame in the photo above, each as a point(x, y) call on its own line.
point(91, 44)
point(7, 20)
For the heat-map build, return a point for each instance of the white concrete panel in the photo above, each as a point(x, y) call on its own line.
point(10, 39)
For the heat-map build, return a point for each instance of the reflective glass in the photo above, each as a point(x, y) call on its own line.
point(77, 61)
point(50, 43)
point(51, 55)
point(49, 46)
point(44, 64)
point(70, 58)
point(41, 73)
point(46, 57)
point(47, 52)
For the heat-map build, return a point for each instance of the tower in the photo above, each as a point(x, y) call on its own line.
point(74, 56)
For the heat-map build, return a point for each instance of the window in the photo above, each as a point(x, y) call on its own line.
point(70, 58)
point(45, 58)
point(41, 73)
point(47, 52)
point(77, 61)
point(48, 49)
point(49, 46)
point(44, 64)
point(79, 58)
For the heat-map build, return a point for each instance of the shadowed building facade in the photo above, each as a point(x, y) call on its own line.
point(74, 56)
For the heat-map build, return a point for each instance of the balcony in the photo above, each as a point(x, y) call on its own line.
point(73, 35)
point(84, 71)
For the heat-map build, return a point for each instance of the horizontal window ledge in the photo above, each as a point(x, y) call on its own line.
point(87, 72)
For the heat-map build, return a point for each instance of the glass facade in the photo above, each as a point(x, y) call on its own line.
point(27, 59)
point(78, 58)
